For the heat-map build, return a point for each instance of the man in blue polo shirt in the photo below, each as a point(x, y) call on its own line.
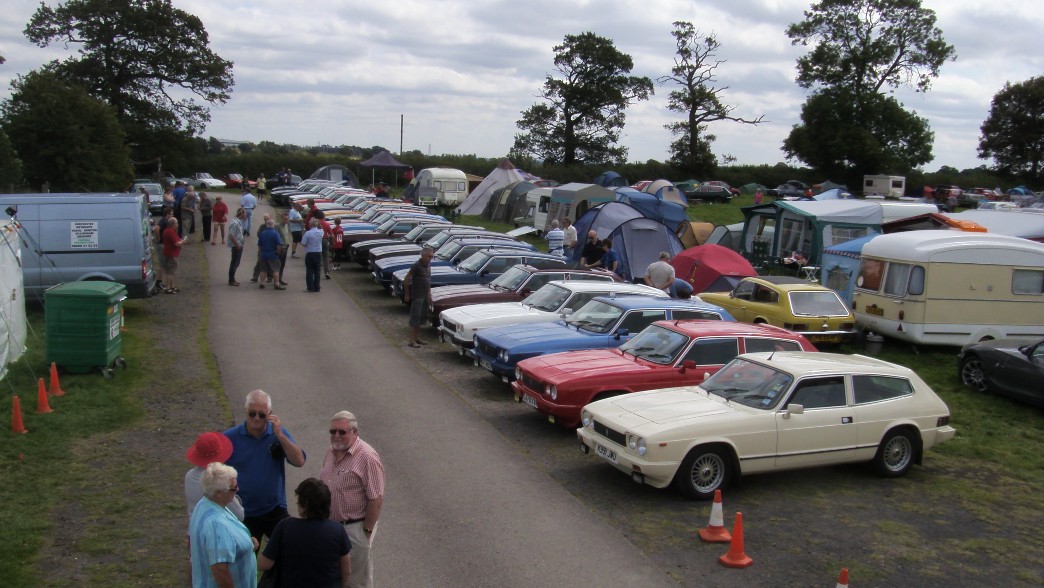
point(260, 449)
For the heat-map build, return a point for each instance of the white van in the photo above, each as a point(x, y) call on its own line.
point(73, 237)
point(950, 288)
point(438, 187)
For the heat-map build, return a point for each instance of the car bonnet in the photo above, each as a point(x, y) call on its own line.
point(663, 407)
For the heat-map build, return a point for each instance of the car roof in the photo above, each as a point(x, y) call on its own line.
point(651, 303)
point(708, 328)
point(801, 363)
point(592, 285)
point(496, 253)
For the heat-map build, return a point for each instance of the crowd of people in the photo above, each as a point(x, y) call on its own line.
point(236, 498)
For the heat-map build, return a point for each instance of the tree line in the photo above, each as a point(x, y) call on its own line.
point(109, 113)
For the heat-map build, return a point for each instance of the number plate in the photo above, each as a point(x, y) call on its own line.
point(529, 400)
point(605, 453)
point(875, 310)
point(485, 365)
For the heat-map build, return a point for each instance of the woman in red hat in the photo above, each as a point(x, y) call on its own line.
point(209, 447)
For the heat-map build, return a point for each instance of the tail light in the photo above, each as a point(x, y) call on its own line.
point(942, 421)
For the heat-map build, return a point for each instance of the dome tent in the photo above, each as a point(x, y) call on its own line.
point(636, 239)
point(502, 175)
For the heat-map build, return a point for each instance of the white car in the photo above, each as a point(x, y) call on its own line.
point(204, 181)
point(553, 301)
point(767, 412)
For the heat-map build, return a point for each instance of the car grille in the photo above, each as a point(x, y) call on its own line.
point(489, 350)
point(610, 434)
point(532, 383)
point(449, 325)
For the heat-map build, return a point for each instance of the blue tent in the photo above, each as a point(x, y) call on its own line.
point(834, 194)
point(840, 266)
point(610, 179)
point(1021, 191)
point(651, 206)
point(636, 239)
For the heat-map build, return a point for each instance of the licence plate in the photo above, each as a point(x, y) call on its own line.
point(825, 339)
point(605, 453)
point(875, 310)
point(529, 400)
point(486, 365)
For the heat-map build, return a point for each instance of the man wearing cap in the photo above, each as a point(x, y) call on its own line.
point(260, 448)
point(353, 471)
point(209, 447)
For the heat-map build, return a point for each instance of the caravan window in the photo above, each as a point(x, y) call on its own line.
point(1027, 282)
point(870, 273)
point(903, 279)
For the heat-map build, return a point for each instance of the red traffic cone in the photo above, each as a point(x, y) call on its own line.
point(16, 416)
point(715, 531)
point(842, 580)
point(56, 390)
point(736, 558)
point(42, 406)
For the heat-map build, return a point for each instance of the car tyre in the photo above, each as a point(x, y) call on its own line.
point(971, 373)
point(895, 454)
point(704, 470)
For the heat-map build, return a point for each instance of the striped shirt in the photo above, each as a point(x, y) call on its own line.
point(354, 477)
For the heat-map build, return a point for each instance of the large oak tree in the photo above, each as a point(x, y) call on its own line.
point(1013, 133)
point(583, 110)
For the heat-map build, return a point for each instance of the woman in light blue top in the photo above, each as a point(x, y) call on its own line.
point(221, 547)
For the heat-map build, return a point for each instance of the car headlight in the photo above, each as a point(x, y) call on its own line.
point(460, 329)
point(636, 444)
point(586, 419)
point(503, 356)
point(554, 393)
point(474, 341)
point(518, 373)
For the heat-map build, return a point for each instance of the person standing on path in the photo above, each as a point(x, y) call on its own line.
point(260, 449)
point(189, 204)
point(660, 274)
point(297, 227)
point(570, 237)
point(268, 245)
point(220, 219)
point(313, 246)
point(249, 203)
point(172, 243)
point(179, 194)
point(206, 214)
point(261, 185)
point(261, 228)
point(284, 235)
point(327, 239)
point(235, 244)
point(353, 471)
point(416, 291)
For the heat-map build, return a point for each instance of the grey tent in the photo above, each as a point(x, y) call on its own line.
point(384, 160)
point(335, 173)
point(508, 202)
point(502, 175)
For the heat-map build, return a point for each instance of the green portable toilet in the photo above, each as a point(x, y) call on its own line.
point(83, 326)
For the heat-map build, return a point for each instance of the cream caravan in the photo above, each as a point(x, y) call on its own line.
point(947, 288)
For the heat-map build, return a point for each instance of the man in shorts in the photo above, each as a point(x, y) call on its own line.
point(297, 227)
point(172, 243)
point(416, 291)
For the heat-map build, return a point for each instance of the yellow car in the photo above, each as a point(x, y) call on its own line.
point(801, 306)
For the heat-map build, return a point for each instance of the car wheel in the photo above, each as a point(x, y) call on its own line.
point(971, 373)
point(704, 470)
point(895, 455)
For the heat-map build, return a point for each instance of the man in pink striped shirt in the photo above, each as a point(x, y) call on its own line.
point(353, 471)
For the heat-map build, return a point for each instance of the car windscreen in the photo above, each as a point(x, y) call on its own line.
point(595, 316)
point(549, 298)
point(386, 225)
point(817, 303)
point(511, 279)
point(415, 233)
point(656, 344)
point(447, 251)
point(473, 263)
point(750, 384)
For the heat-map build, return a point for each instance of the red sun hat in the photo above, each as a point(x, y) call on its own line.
point(209, 448)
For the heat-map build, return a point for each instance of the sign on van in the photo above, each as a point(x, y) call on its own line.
point(84, 234)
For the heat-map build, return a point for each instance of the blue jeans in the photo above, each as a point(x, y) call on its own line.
point(313, 266)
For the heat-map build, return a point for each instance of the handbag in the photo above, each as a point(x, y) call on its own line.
point(269, 578)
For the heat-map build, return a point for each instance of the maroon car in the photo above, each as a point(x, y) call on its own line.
point(664, 355)
point(512, 286)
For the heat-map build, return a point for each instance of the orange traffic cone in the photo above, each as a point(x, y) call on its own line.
point(42, 406)
point(56, 390)
point(736, 558)
point(715, 531)
point(842, 580)
point(16, 416)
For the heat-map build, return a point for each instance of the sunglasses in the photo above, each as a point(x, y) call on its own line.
point(338, 432)
point(255, 414)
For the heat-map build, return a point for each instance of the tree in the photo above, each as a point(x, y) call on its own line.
point(860, 48)
point(583, 112)
point(139, 56)
point(1013, 133)
point(64, 136)
point(10, 165)
point(697, 98)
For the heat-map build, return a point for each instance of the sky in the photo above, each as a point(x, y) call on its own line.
point(458, 74)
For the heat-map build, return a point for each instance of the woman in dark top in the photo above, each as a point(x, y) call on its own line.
point(311, 551)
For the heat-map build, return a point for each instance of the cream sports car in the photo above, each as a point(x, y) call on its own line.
point(765, 412)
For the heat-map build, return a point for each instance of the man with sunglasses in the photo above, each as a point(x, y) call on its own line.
point(260, 449)
point(353, 471)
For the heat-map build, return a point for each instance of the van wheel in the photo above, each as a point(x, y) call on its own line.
point(895, 455)
point(704, 470)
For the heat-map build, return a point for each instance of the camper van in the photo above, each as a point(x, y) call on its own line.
point(538, 199)
point(438, 187)
point(950, 288)
point(73, 237)
point(887, 186)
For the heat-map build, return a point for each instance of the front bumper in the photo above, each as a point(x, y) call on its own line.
point(655, 474)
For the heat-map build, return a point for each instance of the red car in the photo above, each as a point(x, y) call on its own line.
point(511, 286)
point(664, 355)
point(236, 181)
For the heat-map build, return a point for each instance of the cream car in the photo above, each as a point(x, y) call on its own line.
point(765, 412)
point(553, 301)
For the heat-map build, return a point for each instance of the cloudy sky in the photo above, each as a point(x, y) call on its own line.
point(335, 72)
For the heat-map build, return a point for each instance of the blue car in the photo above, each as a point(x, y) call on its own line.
point(451, 253)
point(435, 242)
point(483, 266)
point(604, 322)
point(360, 252)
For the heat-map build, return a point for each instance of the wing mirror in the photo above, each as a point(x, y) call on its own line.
point(687, 365)
point(621, 333)
point(793, 409)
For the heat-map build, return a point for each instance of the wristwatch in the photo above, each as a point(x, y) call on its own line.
point(367, 531)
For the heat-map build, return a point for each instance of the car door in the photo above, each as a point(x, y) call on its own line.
point(1020, 375)
point(825, 433)
point(739, 304)
point(636, 320)
point(710, 354)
